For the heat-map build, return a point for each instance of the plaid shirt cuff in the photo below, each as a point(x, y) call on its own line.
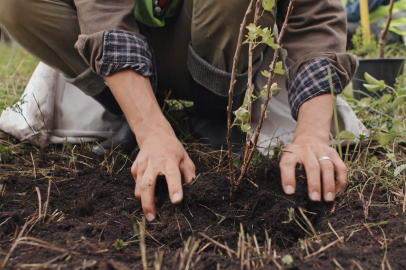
point(124, 50)
point(312, 80)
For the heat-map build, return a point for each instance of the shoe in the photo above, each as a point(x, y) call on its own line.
point(208, 118)
point(123, 140)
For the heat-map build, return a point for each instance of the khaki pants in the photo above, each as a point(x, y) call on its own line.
point(49, 29)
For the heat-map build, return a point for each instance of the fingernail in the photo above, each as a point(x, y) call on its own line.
point(315, 196)
point(150, 217)
point(176, 197)
point(289, 189)
point(329, 197)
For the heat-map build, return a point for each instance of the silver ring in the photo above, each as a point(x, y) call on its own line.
point(324, 158)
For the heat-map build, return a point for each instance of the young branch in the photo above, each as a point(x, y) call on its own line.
point(385, 30)
point(249, 85)
point(268, 97)
point(231, 94)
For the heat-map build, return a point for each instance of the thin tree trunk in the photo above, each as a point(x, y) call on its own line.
point(385, 30)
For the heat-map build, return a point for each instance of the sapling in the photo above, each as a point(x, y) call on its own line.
point(256, 35)
point(385, 30)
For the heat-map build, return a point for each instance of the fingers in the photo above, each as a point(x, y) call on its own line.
point(147, 188)
point(288, 167)
point(312, 169)
point(137, 170)
point(327, 172)
point(331, 187)
point(187, 168)
point(173, 179)
point(342, 173)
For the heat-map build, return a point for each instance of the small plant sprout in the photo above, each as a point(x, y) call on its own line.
point(256, 35)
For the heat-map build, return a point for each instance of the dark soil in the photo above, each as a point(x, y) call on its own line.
point(89, 210)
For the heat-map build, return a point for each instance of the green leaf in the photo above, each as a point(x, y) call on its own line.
point(241, 114)
point(346, 135)
point(271, 42)
point(253, 31)
point(246, 128)
point(263, 94)
point(397, 126)
point(265, 73)
point(274, 87)
point(236, 162)
point(399, 169)
point(287, 259)
point(398, 101)
point(370, 79)
point(279, 68)
point(387, 97)
point(387, 138)
point(374, 160)
point(375, 87)
point(268, 4)
point(365, 102)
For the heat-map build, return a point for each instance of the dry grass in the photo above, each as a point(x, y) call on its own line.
point(374, 166)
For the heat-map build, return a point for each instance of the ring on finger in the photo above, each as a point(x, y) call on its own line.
point(324, 158)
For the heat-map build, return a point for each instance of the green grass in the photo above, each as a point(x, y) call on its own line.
point(16, 68)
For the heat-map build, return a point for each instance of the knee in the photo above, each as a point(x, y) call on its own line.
point(10, 11)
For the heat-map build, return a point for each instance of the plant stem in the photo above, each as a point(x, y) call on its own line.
point(231, 95)
point(268, 97)
point(385, 30)
point(249, 85)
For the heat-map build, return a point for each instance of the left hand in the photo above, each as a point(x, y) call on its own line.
point(310, 143)
point(307, 149)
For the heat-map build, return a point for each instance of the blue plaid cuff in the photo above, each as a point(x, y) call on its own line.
point(124, 50)
point(312, 80)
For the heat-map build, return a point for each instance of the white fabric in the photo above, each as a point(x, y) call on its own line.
point(68, 114)
point(279, 126)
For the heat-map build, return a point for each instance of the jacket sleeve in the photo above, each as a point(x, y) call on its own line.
point(317, 29)
point(316, 32)
point(110, 39)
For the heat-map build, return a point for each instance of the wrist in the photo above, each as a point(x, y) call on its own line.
point(314, 119)
point(149, 127)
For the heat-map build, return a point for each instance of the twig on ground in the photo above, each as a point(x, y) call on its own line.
point(309, 224)
point(15, 243)
point(358, 265)
point(373, 189)
point(332, 229)
point(180, 231)
point(324, 248)
point(218, 244)
point(47, 201)
point(34, 170)
point(142, 244)
point(404, 197)
point(39, 202)
point(73, 160)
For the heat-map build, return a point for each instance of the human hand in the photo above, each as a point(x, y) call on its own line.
point(307, 149)
point(161, 154)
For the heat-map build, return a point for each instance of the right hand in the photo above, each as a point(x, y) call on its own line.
point(161, 154)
